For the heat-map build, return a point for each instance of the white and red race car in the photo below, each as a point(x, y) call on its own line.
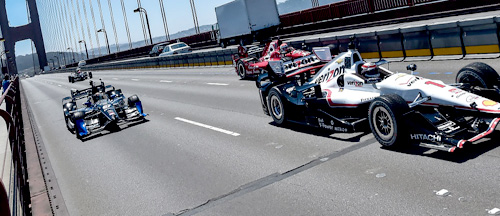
point(249, 63)
point(347, 93)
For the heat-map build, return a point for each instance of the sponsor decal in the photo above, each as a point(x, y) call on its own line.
point(341, 89)
point(340, 129)
point(355, 83)
point(435, 84)
point(471, 98)
point(489, 103)
point(460, 94)
point(367, 99)
point(455, 91)
point(411, 81)
point(322, 124)
point(426, 137)
point(340, 60)
point(400, 75)
point(331, 74)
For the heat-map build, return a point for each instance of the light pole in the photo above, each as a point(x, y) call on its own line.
point(72, 53)
point(106, 36)
point(86, 50)
point(140, 9)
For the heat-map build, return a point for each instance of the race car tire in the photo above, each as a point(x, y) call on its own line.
point(277, 106)
point(72, 80)
point(385, 116)
point(132, 100)
point(478, 74)
point(69, 79)
point(242, 72)
point(90, 75)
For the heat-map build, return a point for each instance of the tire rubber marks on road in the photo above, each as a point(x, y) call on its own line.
point(208, 126)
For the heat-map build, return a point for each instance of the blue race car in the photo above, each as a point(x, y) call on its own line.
point(105, 107)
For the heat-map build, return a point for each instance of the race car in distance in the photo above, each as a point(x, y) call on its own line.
point(248, 62)
point(79, 75)
point(105, 106)
point(348, 95)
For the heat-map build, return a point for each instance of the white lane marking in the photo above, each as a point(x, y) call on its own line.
point(208, 126)
point(59, 85)
point(218, 84)
point(115, 78)
point(165, 81)
point(134, 79)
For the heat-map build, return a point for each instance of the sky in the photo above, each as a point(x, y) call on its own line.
point(178, 14)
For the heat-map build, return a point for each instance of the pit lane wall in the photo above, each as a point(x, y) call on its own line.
point(472, 38)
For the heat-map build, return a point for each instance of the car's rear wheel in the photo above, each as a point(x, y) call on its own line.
point(277, 107)
point(242, 72)
point(385, 116)
point(478, 74)
point(90, 75)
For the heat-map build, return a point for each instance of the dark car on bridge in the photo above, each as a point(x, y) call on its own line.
point(157, 49)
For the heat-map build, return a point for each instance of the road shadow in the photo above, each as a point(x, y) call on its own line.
point(322, 132)
point(114, 129)
point(468, 152)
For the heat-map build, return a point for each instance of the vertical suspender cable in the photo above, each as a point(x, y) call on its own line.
point(114, 26)
point(126, 25)
point(88, 28)
point(70, 28)
point(81, 25)
point(142, 23)
point(195, 17)
point(95, 28)
point(164, 16)
point(103, 26)
point(32, 52)
point(77, 33)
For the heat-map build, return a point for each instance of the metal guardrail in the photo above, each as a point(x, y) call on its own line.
point(454, 40)
point(15, 199)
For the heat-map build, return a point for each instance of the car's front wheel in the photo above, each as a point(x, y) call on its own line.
point(385, 116)
point(277, 107)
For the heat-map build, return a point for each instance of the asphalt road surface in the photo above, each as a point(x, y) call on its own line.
point(208, 149)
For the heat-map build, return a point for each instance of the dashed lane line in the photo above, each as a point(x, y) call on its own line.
point(165, 81)
point(208, 126)
point(218, 84)
point(134, 79)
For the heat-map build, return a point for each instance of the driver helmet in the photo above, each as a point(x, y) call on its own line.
point(284, 48)
point(370, 70)
point(98, 96)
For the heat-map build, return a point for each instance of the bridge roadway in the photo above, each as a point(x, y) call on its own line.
point(170, 165)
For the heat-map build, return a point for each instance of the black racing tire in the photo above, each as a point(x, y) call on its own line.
point(132, 100)
point(90, 75)
point(242, 72)
point(69, 79)
point(277, 106)
point(385, 116)
point(478, 74)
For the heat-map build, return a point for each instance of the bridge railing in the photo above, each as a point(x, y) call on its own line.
point(14, 186)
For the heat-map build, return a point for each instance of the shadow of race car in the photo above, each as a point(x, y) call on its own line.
point(348, 95)
point(79, 75)
point(105, 106)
